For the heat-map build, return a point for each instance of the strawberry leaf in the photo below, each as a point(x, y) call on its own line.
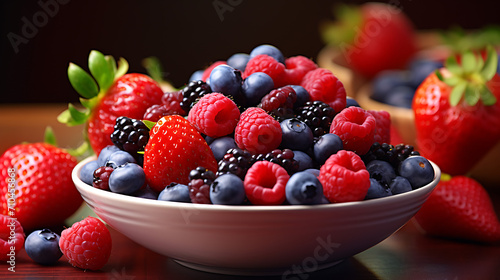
point(457, 92)
point(122, 68)
point(101, 70)
point(471, 95)
point(490, 66)
point(153, 67)
point(453, 66)
point(468, 62)
point(487, 97)
point(82, 82)
point(89, 103)
point(149, 124)
point(73, 116)
point(49, 136)
point(112, 63)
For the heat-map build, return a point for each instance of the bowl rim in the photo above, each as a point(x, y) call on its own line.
point(83, 187)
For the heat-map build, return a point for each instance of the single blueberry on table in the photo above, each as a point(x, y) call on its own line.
point(175, 192)
point(304, 188)
point(377, 190)
point(417, 170)
point(296, 135)
point(227, 189)
point(42, 246)
point(127, 178)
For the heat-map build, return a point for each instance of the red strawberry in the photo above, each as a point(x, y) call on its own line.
point(108, 94)
point(175, 148)
point(460, 208)
point(457, 115)
point(372, 37)
point(43, 193)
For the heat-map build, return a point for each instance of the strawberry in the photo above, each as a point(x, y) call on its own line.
point(457, 115)
point(460, 208)
point(106, 95)
point(36, 186)
point(175, 148)
point(372, 37)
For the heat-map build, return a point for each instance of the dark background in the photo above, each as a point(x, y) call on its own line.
point(184, 35)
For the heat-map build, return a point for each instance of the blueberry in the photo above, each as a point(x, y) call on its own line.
point(400, 185)
point(226, 80)
point(227, 189)
point(127, 178)
point(351, 102)
point(326, 145)
point(238, 61)
point(400, 96)
point(119, 158)
point(196, 76)
point(296, 135)
point(303, 159)
point(270, 50)
point(87, 172)
point(219, 146)
point(313, 171)
point(42, 246)
point(387, 80)
point(417, 170)
point(377, 190)
point(302, 96)
point(147, 193)
point(256, 86)
point(304, 188)
point(420, 69)
point(381, 171)
point(105, 153)
point(175, 192)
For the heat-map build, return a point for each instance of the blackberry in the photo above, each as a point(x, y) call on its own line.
point(317, 115)
point(202, 173)
point(279, 103)
point(389, 153)
point(192, 92)
point(200, 180)
point(130, 135)
point(101, 177)
point(235, 161)
point(282, 157)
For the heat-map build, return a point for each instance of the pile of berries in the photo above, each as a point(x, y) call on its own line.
point(258, 129)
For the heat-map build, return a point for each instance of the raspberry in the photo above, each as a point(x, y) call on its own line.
point(199, 192)
point(86, 244)
point(296, 68)
point(235, 161)
point(10, 227)
point(356, 128)
point(257, 132)
point(156, 112)
point(208, 71)
point(214, 115)
point(192, 92)
point(317, 115)
point(101, 177)
point(344, 177)
point(172, 100)
point(382, 126)
point(322, 85)
point(265, 183)
point(266, 64)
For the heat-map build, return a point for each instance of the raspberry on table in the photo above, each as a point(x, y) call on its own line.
point(322, 85)
point(257, 132)
point(382, 126)
point(101, 177)
point(6, 243)
point(266, 64)
point(192, 92)
point(344, 177)
point(214, 115)
point(265, 183)
point(356, 128)
point(296, 68)
point(130, 135)
point(86, 244)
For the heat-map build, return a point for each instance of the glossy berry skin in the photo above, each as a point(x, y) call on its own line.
point(175, 192)
point(317, 115)
point(130, 95)
point(296, 135)
point(236, 161)
point(351, 102)
point(303, 160)
point(130, 135)
point(265, 183)
point(221, 145)
point(238, 61)
point(196, 76)
point(226, 80)
point(381, 171)
point(7, 225)
point(87, 172)
point(417, 170)
point(45, 193)
point(86, 244)
point(172, 102)
point(400, 185)
point(156, 112)
point(377, 190)
point(206, 73)
point(256, 86)
point(302, 96)
point(127, 179)
point(326, 145)
point(199, 191)
point(191, 93)
point(105, 153)
point(42, 246)
point(101, 177)
point(269, 50)
point(119, 158)
point(227, 189)
point(304, 188)
point(257, 132)
point(356, 128)
point(266, 64)
point(322, 85)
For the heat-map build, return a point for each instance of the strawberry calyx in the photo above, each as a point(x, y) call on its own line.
point(459, 40)
point(92, 87)
point(469, 77)
point(343, 30)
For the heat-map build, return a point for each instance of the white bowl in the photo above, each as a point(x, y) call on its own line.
point(254, 240)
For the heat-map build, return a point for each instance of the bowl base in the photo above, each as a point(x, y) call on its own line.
point(247, 271)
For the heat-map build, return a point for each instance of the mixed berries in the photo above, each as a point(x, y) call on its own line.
point(258, 129)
